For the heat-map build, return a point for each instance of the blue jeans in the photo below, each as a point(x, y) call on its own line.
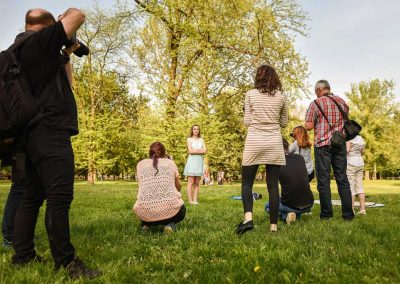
point(325, 157)
point(284, 210)
point(14, 197)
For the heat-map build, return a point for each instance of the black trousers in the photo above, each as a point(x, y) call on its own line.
point(248, 176)
point(325, 157)
point(50, 176)
point(175, 219)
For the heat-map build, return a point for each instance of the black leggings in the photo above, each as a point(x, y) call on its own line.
point(175, 219)
point(248, 175)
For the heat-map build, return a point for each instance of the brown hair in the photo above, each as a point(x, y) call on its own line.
point(39, 17)
point(157, 150)
point(191, 130)
point(301, 135)
point(267, 80)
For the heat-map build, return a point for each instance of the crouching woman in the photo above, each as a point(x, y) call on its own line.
point(159, 200)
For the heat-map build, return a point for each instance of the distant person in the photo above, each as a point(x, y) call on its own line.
point(327, 155)
point(355, 170)
point(296, 195)
point(265, 112)
point(221, 177)
point(159, 200)
point(302, 146)
point(194, 167)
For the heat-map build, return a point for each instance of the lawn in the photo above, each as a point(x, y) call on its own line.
point(205, 249)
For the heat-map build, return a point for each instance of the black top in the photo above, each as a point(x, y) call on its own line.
point(43, 64)
point(295, 189)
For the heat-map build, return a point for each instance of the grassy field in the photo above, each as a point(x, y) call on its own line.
point(205, 249)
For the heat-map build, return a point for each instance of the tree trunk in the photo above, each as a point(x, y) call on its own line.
point(91, 149)
point(374, 172)
point(366, 175)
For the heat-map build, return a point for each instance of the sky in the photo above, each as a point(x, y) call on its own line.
point(348, 40)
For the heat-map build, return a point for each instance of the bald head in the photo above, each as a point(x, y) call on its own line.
point(38, 18)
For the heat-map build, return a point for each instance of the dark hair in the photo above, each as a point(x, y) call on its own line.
point(301, 135)
point(267, 80)
point(157, 150)
point(41, 17)
point(191, 130)
point(285, 144)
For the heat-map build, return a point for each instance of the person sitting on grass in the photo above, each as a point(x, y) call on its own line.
point(159, 200)
point(296, 195)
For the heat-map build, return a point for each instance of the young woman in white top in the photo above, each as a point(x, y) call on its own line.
point(355, 170)
point(194, 167)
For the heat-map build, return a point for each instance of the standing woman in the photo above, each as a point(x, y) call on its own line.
point(302, 146)
point(265, 113)
point(194, 167)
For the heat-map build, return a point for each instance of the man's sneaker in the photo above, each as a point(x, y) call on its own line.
point(170, 228)
point(7, 244)
point(290, 217)
point(76, 269)
point(244, 227)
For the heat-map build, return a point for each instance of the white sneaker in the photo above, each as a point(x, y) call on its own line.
point(291, 217)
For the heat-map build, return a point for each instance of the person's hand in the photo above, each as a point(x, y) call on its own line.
point(72, 48)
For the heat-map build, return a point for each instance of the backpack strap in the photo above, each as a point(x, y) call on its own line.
point(20, 40)
point(320, 109)
point(346, 118)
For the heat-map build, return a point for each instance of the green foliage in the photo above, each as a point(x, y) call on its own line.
point(205, 249)
point(372, 105)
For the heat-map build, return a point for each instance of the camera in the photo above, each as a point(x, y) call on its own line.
point(82, 49)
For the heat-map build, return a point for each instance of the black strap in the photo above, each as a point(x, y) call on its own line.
point(20, 40)
point(340, 108)
point(320, 109)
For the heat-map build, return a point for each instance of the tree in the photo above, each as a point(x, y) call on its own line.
point(101, 89)
point(372, 105)
point(191, 50)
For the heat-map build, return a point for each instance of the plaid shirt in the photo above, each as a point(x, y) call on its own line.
point(322, 130)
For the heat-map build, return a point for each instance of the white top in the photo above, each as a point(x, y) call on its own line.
point(305, 152)
point(197, 143)
point(354, 156)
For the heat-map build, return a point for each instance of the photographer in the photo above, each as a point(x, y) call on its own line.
point(49, 155)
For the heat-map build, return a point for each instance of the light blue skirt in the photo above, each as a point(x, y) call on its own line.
point(194, 166)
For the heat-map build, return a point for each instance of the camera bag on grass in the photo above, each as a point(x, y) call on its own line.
point(17, 103)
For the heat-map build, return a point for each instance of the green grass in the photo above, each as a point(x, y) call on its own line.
point(205, 250)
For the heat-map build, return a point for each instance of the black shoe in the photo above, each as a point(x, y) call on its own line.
point(244, 227)
point(23, 261)
point(76, 269)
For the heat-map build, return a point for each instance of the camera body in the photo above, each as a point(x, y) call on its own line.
point(82, 49)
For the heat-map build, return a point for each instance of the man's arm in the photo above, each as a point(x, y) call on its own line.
point(68, 68)
point(72, 19)
point(309, 120)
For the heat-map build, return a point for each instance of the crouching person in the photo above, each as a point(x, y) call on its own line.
point(296, 195)
point(159, 200)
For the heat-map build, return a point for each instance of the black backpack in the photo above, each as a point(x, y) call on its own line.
point(17, 102)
